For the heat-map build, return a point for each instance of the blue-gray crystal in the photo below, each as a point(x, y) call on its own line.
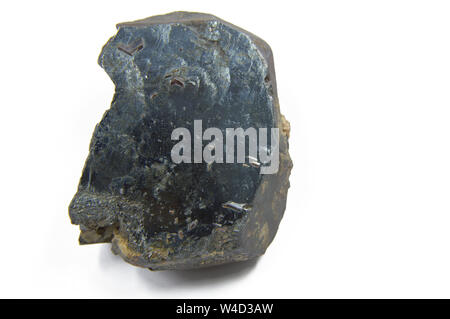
point(169, 71)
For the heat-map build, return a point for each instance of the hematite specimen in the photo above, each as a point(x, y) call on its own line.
point(169, 71)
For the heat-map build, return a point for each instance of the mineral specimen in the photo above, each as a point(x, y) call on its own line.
point(172, 71)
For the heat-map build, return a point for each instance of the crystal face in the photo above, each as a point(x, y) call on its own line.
point(174, 71)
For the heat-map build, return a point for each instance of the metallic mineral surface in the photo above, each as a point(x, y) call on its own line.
point(169, 71)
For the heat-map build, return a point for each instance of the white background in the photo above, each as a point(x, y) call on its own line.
point(366, 87)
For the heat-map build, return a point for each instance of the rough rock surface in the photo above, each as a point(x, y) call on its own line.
point(169, 71)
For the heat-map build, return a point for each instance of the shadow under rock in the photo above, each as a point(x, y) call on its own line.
point(108, 260)
point(210, 276)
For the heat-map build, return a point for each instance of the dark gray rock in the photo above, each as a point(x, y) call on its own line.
point(169, 71)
